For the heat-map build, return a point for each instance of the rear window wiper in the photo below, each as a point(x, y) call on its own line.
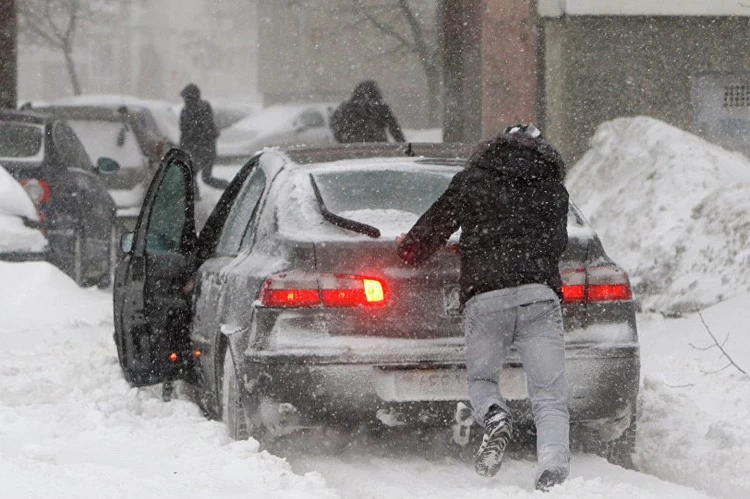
point(344, 223)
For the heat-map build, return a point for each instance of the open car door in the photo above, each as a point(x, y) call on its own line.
point(151, 302)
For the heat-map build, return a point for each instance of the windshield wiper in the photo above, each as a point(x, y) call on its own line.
point(344, 223)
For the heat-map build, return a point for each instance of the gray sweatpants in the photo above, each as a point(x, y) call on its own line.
point(528, 317)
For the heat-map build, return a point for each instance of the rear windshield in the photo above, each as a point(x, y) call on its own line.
point(389, 199)
point(20, 141)
point(407, 191)
point(110, 139)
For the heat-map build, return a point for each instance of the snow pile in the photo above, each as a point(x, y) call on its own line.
point(15, 203)
point(670, 208)
point(694, 417)
point(38, 295)
point(13, 199)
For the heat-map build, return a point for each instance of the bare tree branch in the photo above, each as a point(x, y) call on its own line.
point(720, 370)
point(720, 347)
point(686, 385)
point(382, 26)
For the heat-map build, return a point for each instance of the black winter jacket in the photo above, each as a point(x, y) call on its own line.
point(198, 131)
point(511, 206)
point(364, 121)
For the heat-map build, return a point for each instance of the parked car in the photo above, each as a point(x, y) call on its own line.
point(279, 125)
point(227, 112)
point(292, 308)
point(134, 132)
point(21, 230)
point(44, 154)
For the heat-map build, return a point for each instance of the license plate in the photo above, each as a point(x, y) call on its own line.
point(441, 384)
point(451, 301)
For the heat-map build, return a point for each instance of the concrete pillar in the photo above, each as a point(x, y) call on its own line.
point(509, 64)
point(8, 54)
point(461, 30)
point(489, 66)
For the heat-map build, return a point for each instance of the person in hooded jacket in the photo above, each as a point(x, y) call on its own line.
point(511, 206)
point(198, 134)
point(365, 117)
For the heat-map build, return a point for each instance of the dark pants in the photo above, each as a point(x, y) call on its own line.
point(203, 163)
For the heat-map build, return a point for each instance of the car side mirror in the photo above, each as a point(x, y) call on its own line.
point(126, 242)
point(107, 166)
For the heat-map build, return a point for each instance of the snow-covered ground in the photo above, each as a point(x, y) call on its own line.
point(71, 427)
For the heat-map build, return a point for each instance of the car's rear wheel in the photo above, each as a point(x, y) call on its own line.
point(620, 450)
point(233, 411)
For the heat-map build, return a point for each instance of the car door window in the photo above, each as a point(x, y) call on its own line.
point(167, 219)
point(69, 149)
point(242, 213)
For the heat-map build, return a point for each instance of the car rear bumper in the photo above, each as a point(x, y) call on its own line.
point(602, 380)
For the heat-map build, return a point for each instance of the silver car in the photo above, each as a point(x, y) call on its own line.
point(292, 309)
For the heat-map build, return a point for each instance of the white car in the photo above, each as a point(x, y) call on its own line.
point(21, 230)
point(279, 125)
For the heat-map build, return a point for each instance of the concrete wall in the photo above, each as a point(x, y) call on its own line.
point(600, 68)
point(318, 51)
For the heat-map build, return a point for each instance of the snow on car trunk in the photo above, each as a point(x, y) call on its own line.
point(671, 208)
point(70, 426)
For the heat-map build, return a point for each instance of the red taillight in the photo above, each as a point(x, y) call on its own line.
point(290, 298)
point(595, 284)
point(609, 292)
point(574, 293)
point(37, 190)
point(305, 290)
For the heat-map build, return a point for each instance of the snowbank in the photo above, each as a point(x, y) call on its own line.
point(13, 199)
point(39, 296)
point(671, 208)
point(694, 417)
point(70, 426)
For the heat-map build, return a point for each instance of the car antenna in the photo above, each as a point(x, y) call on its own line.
point(409, 152)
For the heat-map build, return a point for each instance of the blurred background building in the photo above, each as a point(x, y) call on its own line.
point(145, 48)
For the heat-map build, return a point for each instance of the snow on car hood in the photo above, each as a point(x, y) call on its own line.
point(13, 199)
point(671, 208)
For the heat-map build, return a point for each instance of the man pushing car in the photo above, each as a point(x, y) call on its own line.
point(511, 206)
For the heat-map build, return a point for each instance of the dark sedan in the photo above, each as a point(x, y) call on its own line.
point(46, 157)
point(292, 308)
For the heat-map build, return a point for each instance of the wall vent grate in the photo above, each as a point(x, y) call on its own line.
point(737, 95)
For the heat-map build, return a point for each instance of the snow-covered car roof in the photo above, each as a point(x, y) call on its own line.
point(165, 113)
point(277, 116)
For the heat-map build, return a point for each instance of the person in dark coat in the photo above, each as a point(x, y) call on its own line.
point(198, 134)
point(365, 117)
point(511, 206)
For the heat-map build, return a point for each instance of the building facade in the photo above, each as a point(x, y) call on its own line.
point(572, 64)
point(153, 49)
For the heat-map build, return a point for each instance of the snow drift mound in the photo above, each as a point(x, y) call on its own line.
point(38, 295)
point(671, 208)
